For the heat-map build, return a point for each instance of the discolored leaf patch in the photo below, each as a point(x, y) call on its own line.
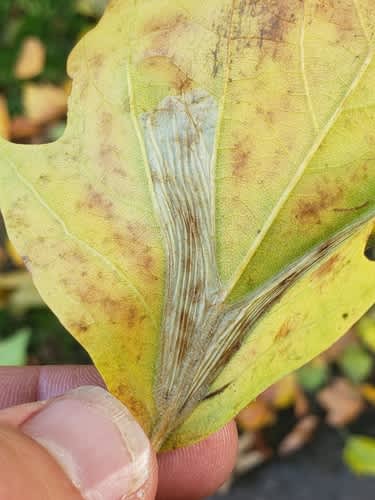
point(203, 224)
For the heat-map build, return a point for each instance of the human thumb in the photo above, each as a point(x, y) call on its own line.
point(84, 444)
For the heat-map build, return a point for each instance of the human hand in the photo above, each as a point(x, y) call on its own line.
point(49, 442)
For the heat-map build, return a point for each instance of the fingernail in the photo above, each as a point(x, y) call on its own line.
point(96, 441)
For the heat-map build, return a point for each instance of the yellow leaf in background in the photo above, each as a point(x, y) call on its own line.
point(366, 331)
point(282, 394)
point(4, 118)
point(44, 102)
point(201, 226)
point(13, 254)
point(368, 392)
point(359, 455)
point(18, 293)
point(92, 8)
point(31, 60)
point(256, 416)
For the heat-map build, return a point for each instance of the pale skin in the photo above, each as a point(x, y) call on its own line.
point(29, 471)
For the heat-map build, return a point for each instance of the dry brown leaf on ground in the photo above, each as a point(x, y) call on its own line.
point(301, 405)
point(299, 436)
point(4, 118)
point(31, 59)
point(342, 401)
point(44, 102)
point(256, 416)
point(282, 394)
point(22, 127)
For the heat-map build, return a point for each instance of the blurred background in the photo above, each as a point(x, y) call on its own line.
point(313, 433)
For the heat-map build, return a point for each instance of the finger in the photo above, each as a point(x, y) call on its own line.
point(34, 383)
point(198, 471)
point(85, 441)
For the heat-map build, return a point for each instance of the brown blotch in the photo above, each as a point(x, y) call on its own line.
point(123, 393)
point(132, 316)
point(109, 157)
point(159, 24)
point(240, 161)
point(310, 211)
point(106, 120)
point(198, 291)
point(183, 83)
point(96, 201)
point(361, 174)
point(283, 331)
point(79, 327)
point(275, 18)
point(192, 224)
point(327, 267)
point(73, 257)
point(163, 33)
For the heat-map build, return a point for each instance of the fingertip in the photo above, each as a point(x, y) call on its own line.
point(199, 470)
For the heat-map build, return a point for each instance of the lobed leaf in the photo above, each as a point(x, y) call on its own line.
point(201, 226)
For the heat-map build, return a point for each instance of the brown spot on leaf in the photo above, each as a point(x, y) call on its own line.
point(124, 394)
point(162, 23)
point(132, 317)
point(309, 211)
point(96, 202)
point(80, 327)
point(274, 19)
point(284, 331)
point(183, 83)
point(327, 267)
point(240, 163)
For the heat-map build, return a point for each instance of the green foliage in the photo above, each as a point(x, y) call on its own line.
point(356, 363)
point(56, 24)
point(359, 455)
point(313, 375)
point(366, 330)
point(13, 351)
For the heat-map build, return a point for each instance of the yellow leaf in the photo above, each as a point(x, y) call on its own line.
point(13, 254)
point(283, 393)
point(4, 119)
point(359, 455)
point(368, 392)
point(201, 226)
point(44, 102)
point(31, 60)
point(366, 331)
